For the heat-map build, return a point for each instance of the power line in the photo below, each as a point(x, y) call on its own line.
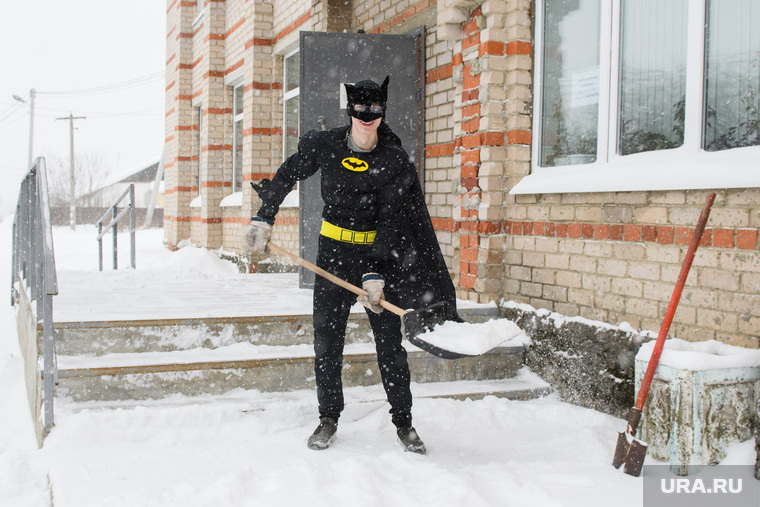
point(13, 109)
point(110, 87)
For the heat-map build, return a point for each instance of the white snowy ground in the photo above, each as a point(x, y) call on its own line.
point(248, 448)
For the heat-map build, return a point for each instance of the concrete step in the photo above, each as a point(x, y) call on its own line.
point(525, 385)
point(167, 335)
point(266, 368)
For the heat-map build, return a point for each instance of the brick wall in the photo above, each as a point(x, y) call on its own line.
point(614, 257)
point(611, 257)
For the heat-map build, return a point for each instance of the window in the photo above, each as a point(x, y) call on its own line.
point(652, 75)
point(199, 9)
point(571, 84)
point(645, 95)
point(199, 147)
point(292, 80)
point(237, 139)
point(732, 76)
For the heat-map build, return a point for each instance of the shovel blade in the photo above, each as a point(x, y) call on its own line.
point(634, 461)
point(630, 454)
point(621, 450)
point(417, 322)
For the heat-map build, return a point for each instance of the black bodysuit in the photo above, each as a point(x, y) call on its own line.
point(373, 191)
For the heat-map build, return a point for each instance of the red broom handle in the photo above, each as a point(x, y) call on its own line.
point(695, 239)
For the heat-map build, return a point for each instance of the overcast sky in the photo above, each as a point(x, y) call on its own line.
point(94, 58)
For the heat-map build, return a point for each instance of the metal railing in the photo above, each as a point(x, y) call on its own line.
point(34, 279)
point(113, 224)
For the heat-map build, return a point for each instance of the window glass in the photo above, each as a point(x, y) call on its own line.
point(570, 91)
point(732, 80)
point(238, 100)
point(237, 149)
point(199, 146)
point(652, 75)
point(291, 71)
point(291, 126)
point(238, 156)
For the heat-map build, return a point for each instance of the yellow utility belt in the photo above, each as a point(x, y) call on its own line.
point(347, 235)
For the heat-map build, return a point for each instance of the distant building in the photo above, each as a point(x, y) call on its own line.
point(91, 207)
point(568, 145)
point(144, 179)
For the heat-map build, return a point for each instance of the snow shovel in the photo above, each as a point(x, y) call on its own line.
point(416, 322)
point(630, 451)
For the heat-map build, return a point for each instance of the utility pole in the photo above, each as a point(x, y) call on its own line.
point(72, 179)
point(32, 93)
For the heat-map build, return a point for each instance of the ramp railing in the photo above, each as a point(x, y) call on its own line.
point(34, 279)
point(113, 224)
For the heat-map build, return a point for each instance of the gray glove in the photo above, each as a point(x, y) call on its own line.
point(373, 283)
point(258, 235)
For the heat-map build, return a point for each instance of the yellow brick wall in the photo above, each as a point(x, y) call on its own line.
point(611, 256)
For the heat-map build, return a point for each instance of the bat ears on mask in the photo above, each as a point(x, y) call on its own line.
point(367, 91)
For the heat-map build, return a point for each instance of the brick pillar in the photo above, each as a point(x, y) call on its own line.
point(262, 136)
point(479, 130)
point(216, 131)
point(491, 69)
point(180, 187)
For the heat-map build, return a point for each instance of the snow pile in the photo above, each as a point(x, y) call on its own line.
point(249, 448)
point(707, 355)
point(474, 339)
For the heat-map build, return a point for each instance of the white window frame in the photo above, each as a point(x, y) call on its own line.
point(686, 167)
point(200, 9)
point(287, 95)
point(199, 138)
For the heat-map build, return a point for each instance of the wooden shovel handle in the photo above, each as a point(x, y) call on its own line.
point(334, 279)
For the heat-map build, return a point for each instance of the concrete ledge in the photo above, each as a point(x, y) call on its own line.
point(589, 365)
point(704, 397)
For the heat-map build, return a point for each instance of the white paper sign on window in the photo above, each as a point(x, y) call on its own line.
point(584, 88)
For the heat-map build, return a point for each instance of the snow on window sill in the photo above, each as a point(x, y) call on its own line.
point(232, 200)
point(679, 169)
point(291, 200)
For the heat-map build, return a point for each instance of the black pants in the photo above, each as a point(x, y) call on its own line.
point(331, 309)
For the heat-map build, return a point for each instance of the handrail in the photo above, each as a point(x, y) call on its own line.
point(34, 273)
point(113, 224)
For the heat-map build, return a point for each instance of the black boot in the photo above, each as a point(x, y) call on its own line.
point(411, 440)
point(324, 434)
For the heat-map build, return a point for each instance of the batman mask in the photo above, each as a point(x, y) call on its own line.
point(366, 99)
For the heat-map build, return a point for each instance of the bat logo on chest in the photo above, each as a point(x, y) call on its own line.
point(355, 164)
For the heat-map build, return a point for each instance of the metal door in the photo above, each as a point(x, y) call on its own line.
point(327, 61)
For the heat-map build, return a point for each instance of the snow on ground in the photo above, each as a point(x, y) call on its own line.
point(248, 448)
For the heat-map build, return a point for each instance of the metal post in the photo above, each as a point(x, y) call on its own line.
point(132, 253)
point(100, 246)
point(45, 309)
point(32, 93)
point(114, 229)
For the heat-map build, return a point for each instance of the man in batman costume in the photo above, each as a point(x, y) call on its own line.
point(376, 231)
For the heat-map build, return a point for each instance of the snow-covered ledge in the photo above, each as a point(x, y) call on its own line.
point(232, 200)
point(703, 398)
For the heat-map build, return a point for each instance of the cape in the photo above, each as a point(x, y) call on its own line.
point(416, 268)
